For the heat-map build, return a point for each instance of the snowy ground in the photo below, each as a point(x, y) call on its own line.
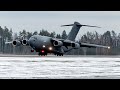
point(53, 67)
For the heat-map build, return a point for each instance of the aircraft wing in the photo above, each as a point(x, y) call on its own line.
point(8, 42)
point(54, 39)
point(67, 43)
point(93, 45)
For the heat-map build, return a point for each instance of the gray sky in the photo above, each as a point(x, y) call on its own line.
point(52, 20)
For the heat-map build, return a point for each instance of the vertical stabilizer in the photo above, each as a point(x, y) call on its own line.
point(75, 29)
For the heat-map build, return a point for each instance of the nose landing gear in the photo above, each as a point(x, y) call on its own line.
point(42, 54)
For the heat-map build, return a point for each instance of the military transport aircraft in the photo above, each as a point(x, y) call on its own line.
point(44, 44)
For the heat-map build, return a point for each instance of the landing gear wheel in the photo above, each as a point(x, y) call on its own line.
point(42, 54)
point(59, 54)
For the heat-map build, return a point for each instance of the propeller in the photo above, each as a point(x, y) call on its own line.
point(78, 24)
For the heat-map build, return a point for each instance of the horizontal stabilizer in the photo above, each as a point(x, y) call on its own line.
point(80, 25)
point(67, 25)
point(91, 26)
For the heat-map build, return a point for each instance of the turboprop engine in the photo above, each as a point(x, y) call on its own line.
point(16, 43)
point(57, 43)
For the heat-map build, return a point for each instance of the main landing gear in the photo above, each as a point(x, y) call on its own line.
point(59, 54)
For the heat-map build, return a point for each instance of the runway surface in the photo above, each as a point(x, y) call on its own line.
point(53, 67)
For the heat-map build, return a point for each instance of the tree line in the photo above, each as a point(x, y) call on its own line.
point(109, 38)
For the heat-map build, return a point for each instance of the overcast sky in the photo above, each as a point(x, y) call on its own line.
point(52, 20)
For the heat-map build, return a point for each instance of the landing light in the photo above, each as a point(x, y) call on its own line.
point(108, 47)
point(43, 46)
point(50, 48)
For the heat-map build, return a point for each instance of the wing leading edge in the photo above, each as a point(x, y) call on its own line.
point(8, 42)
point(93, 45)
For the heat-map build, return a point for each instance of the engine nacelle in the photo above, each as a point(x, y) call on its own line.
point(16, 43)
point(57, 43)
point(24, 42)
point(75, 45)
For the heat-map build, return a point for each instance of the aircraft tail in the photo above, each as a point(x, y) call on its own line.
point(75, 29)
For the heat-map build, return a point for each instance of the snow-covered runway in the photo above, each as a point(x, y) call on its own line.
point(53, 67)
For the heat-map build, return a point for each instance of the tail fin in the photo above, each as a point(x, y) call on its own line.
point(75, 29)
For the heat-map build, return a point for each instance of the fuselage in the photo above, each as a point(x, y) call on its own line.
point(44, 44)
point(39, 43)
